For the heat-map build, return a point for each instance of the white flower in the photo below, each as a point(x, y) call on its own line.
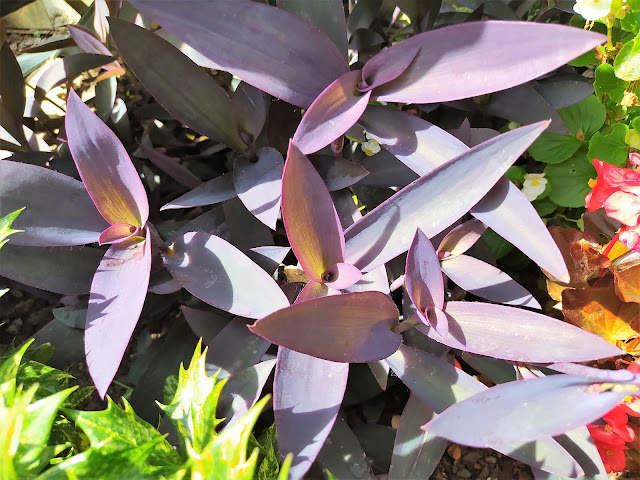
point(371, 146)
point(534, 185)
point(593, 9)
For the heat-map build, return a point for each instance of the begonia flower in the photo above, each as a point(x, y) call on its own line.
point(593, 9)
point(534, 185)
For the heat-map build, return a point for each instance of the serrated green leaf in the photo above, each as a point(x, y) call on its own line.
point(41, 353)
point(607, 82)
point(610, 148)
point(50, 380)
point(569, 180)
point(5, 226)
point(13, 417)
point(78, 397)
point(104, 464)
point(554, 147)
point(170, 387)
point(270, 463)
point(284, 469)
point(193, 408)
point(8, 373)
point(584, 118)
point(118, 428)
point(627, 62)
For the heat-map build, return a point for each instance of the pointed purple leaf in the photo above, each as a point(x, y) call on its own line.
point(525, 410)
point(380, 69)
point(307, 393)
point(58, 209)
point(309, 216)
point(387, 230)
point(218, 273)
point(296, 67)
point(519, 335)
point(353, 327)
point(89, 43)
point(336, 172)
point(214, 191)
point(487, 281)
point(423, 276)
point(330, 115)
point(205, 325)
point(12, 86)
point(624, 376)
point(315, 290)
point(105, 167)
point(118, 233)
point(170, 166)
point(341, 276)
point(564, 93)
point(250, 106)
point(184, 89)
point(268, 258)
point(471, 59)
point(117, 294)
point(235, 348)
point(460, 239)
point(386, 171)
point(259, 184)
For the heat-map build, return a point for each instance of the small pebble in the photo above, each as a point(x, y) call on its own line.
point(491, 459)
point(464, 473)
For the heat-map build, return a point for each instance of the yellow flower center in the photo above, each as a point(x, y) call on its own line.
point(535, 183)
point(592, 182)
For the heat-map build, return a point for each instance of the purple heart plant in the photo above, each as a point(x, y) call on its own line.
point(344, 314)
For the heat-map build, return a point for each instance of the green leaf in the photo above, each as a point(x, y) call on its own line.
point(584, 60)
point(170, 387)
point(49, 380)
point(193, 407)
point(631, 22)
point(330, 476)
point(270, 464)
point(284, 470)
point(585, 117)
point(544, 206)
point(607, 82)
point(8, 373)
point(516, 174)
point(5, 226)
point(627, 62)
point(610, 148)
point(71, 316)
point(554, 147)
point(13, 416)
point(499, 246)
point(118, 429)
point(569, 180)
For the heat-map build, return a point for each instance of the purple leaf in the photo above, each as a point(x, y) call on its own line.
point(341, 275)
point(343, 455)
point(460, 239)
point(259, 184)
point(221, 275)
point(100, 24)
point(12, 87)
point(89, 43)
point(184, 89)
point(416, 453)
point(519, 335)
point(386, 171)
point(624, 376)
point(214, 191)
point(235, 348)
point(353, 327)
point(117, 294)
point(66, 69)
point(487, 281)
point(162, 283)
point(250, 106)
point(104, 166)
point(170, 166)
point(309, 217)
point(525, 410)
point(118, 233)
point(307, 393)
point(380, 69)
point(268, 258)
point(332, 113)
point(563, 93)
point(315, 290)
point(246, 230)
point(471, 59)
point(60, 214)
point(295, 67)
point(205, 325)
point(242, 391)
point(387, 230)
point(423, 276)
point(63, 270)
point(336, 172)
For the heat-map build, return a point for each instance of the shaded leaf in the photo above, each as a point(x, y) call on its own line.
point(627, 282)
point(214, 191)
point(170, 166)
point(461, 238)
point(336, 172)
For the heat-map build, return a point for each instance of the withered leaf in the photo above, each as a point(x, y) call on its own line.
point(627, 283)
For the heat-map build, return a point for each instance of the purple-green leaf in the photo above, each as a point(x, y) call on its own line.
point(330, 115)
point(298, 64)
point(353, 327)
point(525, 410)
point(118, 291)
point(104, 166)
point(471, 59)
point(218, 273)
point(259, 184)
point(387, 230)
point(58, 209)
point(460, 239)
point(519, 335)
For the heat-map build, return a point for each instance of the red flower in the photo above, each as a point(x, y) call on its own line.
point(612, 457)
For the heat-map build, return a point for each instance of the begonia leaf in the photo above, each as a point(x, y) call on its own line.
point(104, 166)
point(586, 116)
point(336, 172)
point(332, 113)
point(63, 270)
point(416, 453)
point(218, 273)
point(60, 214)
point(525, 410)
point(118, 292)
point(598, 310)
point(505, 209)
point(487, 281)
point(353, 327)
point(386, 231)
point(296, 67)
point(489, 329)
point(461, 238)
point(259, 184)
point(627, 282)
point(307, 393)
point(309, 216)
point(554, 147)
point(179, 85)
point(214, 191)
point(497, 55)
point(448, 385)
